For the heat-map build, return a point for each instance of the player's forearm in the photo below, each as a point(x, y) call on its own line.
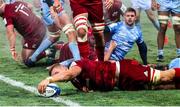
point(107, 56)
point(143, 52)
point(12, 39)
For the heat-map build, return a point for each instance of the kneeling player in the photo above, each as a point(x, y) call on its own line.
point(19, 16)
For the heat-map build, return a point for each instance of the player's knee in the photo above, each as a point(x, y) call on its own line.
point(176, 20)
point(163, 19)
point(80, 23)
point(68, 28)
point(81, 32)
point(98, 27)
point(163, 27)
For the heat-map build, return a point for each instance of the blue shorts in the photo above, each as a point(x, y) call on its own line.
point(175, 63)
point(141, 4)
point(169, 6)
point(46, 15)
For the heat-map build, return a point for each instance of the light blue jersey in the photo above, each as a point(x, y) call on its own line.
point(47, 18)
point(9, 1)
point(124, 36)
point(169, 5)
point(175, 63)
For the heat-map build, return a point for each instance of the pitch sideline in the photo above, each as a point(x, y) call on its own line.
point(34, 90)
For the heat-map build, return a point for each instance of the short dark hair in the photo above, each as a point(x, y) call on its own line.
point(130, 9)
point(52, 67)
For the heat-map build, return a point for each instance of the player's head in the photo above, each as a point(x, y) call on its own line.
point(56, 68)
point(130, 16)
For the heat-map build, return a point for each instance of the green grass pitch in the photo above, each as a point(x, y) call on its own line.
point(14, 96)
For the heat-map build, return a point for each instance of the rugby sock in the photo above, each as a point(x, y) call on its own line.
point(178, 52)
point(44, 45)
point(67, 63)
point(75, 51)
point(84, 49)
point(160, 52)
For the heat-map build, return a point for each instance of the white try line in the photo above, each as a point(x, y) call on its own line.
point(34, 90)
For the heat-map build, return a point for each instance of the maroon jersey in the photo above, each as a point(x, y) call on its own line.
point(94, 8)
point(101, 75)
point(25, 22)
point(133, 75)
point(97, 75)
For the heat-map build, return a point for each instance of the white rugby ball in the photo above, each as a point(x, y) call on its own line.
point(52, 90)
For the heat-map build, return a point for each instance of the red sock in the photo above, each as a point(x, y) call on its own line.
point(177, 78)
point(84, 49)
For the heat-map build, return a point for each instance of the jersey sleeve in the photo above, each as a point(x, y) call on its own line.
point(7, 17)
point(112, 27)
point(140, 37)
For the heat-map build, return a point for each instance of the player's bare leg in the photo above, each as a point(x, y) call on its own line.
point(163, 20)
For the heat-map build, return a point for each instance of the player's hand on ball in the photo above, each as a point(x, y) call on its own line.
point(42, 85)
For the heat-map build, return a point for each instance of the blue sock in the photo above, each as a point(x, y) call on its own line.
point(75, 51)
point(44, 45)
point(67, 62)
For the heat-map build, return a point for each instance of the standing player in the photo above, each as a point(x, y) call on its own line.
point(124, 34)
point(167, 8)
point(92, 11)
point(56, 20)
point(145, 5)
point(18, 16)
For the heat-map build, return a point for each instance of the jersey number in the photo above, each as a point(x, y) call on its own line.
point(21, 8)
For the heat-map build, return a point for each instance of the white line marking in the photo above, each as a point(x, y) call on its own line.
point(34, 90)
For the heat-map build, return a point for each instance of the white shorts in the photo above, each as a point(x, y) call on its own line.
point(141, 4)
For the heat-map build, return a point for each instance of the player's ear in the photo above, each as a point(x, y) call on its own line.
point(50, 68)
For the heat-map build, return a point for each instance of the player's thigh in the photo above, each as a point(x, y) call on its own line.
point(150, 13)
point(64, 19)
point(77, 8)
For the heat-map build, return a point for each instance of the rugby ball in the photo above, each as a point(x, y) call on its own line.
point(52, 90)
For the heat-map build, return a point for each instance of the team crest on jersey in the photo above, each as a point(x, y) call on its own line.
point(146, 73)
point(26, 45)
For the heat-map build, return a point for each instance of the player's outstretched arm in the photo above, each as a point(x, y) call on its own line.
point(59, 73)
